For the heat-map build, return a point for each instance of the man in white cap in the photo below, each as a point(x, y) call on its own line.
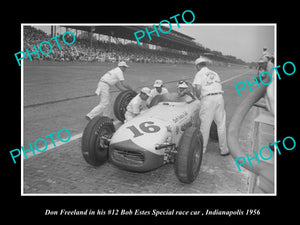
point(184, 94)
point(158, 89)
point(137, 104)
point(209, 89)
point(112, 77)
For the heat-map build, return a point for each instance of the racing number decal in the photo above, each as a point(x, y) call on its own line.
point(135, 131)
point(145, 127)
point(150, 128)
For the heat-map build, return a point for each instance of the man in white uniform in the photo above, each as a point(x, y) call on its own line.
point(137, 104)
point(158, 89)
point(209, 90)
point(112, 77)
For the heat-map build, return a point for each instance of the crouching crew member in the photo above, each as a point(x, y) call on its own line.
point(137, 104)
point(158, 89)
point(112, 77)
point(209, 89)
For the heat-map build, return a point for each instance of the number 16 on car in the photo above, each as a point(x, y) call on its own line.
point(165, 133)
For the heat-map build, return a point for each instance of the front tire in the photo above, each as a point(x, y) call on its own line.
point(189, 155)
point(93, 144)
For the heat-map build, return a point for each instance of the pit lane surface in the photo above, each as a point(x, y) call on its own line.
point(58, 95)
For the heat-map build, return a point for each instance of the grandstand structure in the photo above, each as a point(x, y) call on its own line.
point(172, 40)
point(120, 44)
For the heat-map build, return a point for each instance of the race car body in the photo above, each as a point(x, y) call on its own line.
point(167, 132)
point(141, 144)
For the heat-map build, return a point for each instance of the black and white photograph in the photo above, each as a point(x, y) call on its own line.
point(149, 109)
point(163, 113)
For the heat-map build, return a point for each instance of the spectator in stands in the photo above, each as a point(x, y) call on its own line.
point(101, 51)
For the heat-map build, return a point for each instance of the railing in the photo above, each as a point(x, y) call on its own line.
point(263, 170)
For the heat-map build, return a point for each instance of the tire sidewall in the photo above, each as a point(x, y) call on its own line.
point(91, 153)
point(120, 106)
point(187, 149)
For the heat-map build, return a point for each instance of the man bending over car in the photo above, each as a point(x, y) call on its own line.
point(137, 104)
point(110, 78)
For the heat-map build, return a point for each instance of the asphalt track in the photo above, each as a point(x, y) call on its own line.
point(58, 95)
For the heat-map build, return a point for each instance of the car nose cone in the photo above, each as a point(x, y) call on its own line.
point(130, 156)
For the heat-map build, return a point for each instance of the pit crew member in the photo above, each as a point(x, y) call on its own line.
point(137, 104)
point(158, 89)
point(209, 89)
point(112, 77)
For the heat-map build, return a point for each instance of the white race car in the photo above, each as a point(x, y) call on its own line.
point(168, 132)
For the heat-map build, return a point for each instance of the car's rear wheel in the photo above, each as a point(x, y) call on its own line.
point(189, 155)
point(94, 142)
point(121, 102)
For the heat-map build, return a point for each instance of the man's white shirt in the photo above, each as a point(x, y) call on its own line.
point(154, 92)
point(209, 81)
point(111, 78)
point(136, 105)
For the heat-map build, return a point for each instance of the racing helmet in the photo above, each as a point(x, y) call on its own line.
point(182, 84)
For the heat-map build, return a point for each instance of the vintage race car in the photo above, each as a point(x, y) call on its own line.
point(168, 132)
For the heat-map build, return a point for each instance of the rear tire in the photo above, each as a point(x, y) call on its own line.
point(189, 156)
point(121, 102)
point(91, 137)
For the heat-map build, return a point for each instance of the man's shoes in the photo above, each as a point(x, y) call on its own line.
point(224, 153)
point(88, 118)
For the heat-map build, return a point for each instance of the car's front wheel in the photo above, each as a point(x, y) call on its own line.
point(189, 155)
point(95, 140)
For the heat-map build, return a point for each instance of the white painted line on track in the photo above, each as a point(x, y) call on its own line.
point(231, 78)
point(59, 143)
point(51, 146)
point(76, 136)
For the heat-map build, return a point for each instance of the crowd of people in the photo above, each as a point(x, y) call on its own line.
point(97, 51)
